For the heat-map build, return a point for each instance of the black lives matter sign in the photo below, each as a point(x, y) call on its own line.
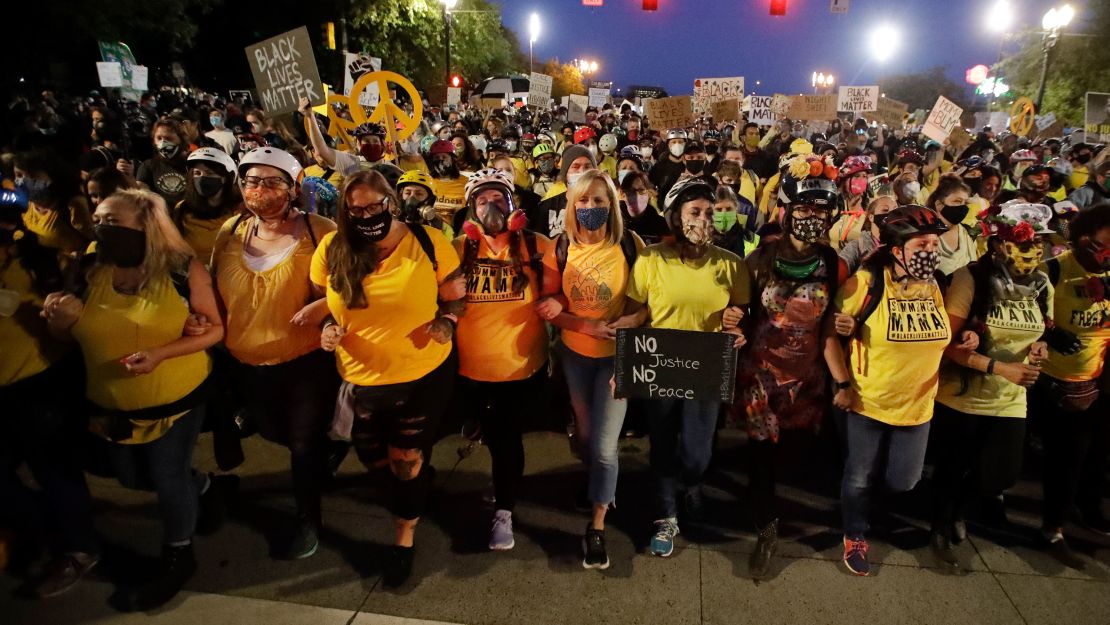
point(675, 364)
point(285, 71)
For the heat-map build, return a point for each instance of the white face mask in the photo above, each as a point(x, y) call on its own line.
point(622, 174)
point(678, 149)
point(645, 151)
point(912, 188)
point(511, 145)
point(572, 178)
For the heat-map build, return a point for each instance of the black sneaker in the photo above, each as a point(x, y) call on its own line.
point(766, 543)
point(593, 547)
point(64, 572)
point(177, 566)
point(942, 547)
point(302, 543)
point(398, 565)
point(695, 504)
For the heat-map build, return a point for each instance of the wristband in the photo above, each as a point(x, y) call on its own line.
point(990, 366)
point(452, 317)
point(843, 386)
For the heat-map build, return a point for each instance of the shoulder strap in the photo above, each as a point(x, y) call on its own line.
point(1054, 271)
point(535, 260)
point(871, 300)
point(942, 280)
point(425, 241)
point(311, 234)
point(562, 245)
point(180, 278)
point(628, 248)
point(832, 269)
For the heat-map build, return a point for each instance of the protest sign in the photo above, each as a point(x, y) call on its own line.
point(838, 6)
point(354, 67)
point(539, 90)
point(139, 77)
point(760, 111)
point(858, 99)
point(285, 71)
point(675, 364)
point(942, 119)
point(726, 110)
point(812, 107)
point(118, 52)
point(780, 105)
point(576, 108)
point(488, 104)
point(1046, 120)
point(710, 90)
point(598, 97)
point(959, 139)
point(110, 74)
point(890, 112)
point(1097, 118)
point(240, 94)
point(454, 94)
point(999, 120)
point(672, 112)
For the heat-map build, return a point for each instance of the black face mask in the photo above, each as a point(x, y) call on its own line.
point(695, 166)
point(711, 148)
point(208, 186)
point(411, 211)
point(955, 214)
point(443, 169)
point(373, 228)
point(1083, 159)
point(120, 246)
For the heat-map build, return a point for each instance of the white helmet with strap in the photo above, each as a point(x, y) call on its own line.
point(274, 157)
point(216, 156)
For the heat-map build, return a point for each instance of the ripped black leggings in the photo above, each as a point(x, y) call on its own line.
point(405, 417)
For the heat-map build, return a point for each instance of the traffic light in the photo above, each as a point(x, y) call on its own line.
point(778, 7)
point(651, 5)
point(456, 81)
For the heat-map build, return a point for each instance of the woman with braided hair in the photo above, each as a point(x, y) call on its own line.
point(502, 340)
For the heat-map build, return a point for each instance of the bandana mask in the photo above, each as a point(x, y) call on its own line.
point(697, 231)
point(1020, 263)
point(922, 265)
point(266, 203)
point(808, 229)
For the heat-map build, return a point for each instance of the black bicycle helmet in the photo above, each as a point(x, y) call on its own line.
point(909, 221)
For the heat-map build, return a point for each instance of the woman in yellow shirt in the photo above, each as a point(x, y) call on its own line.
point(145, 382)
point(394, 295)
point(889, 388)
point(502, 341)
point(211, 197)
point(586, 274)
point(261, 265)
point(684, 285)
point(56, 210)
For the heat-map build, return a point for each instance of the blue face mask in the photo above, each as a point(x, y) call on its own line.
point(592, 217)
point(217, 122)
point(35, 188)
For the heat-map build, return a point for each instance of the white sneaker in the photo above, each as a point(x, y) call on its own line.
point(501, 536)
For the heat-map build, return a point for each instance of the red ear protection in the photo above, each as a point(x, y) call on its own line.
point(472, 229)
point(517, 220)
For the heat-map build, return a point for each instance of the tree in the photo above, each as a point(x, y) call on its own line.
point(1080, 62)
point(565, 78)
point(920, 90)
point(409, 37)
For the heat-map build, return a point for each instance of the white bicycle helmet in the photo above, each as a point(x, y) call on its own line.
point(608, 142)
point(215, 156)
point(479, 142)
point(273, 157)
point(676, 133)
point(488, 177)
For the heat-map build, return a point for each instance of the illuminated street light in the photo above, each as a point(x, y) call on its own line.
point(822, 81)
point(533, 34)
point(884, 42)
point(1053, 21)
point(1000, 16)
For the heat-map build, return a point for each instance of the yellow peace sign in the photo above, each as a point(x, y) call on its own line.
point(387, 112)
point(1023, 114)
point(338, 127)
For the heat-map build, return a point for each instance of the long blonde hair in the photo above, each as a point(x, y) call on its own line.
point(166, 251)
point(582, 187)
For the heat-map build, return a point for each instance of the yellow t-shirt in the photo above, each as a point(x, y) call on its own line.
point(315, 171)
point(53, 232)
point(688, 294)
point(501, 338)
point(609, 166)
point(1089, 320)
point(521, 178)
point(594, 282)
point(450, 196)
point(200, 233)
point(113, 326)
point(768, 200)
point(260, 305)
point(556, 188)
point(895, 360)
point(1079, 176)
point(26, 347)
point(1012, 327)
point(965, 252)
point(846, 229)
point(386, 342)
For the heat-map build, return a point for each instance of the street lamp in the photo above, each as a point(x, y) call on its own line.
point(822, 81)
point(533, 34)
point(883, 42)
point(999, 18)
point(1053, 22)
point(447, 6)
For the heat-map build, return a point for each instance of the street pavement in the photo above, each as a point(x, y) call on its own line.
point(1004, 578)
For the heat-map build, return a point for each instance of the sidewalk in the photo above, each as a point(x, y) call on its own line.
point(457, 580)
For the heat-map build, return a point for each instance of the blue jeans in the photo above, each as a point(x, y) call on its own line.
point(165, 466)
point(681, 433)
point(598, 419)
point(871, 444)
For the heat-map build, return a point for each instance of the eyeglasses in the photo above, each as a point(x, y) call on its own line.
point(374, 208)
point(810, 211)
point(273, 182)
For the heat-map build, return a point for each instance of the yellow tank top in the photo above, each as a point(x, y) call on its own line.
point(200, 233)
point(114, 326)
point(53, 232)
point(260, 304)
point(26, 347)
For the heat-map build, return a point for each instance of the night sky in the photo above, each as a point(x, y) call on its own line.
point(687, 39)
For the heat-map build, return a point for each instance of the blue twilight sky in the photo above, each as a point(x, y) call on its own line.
point(688, 39)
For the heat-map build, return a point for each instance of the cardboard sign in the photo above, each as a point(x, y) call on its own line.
point(838, 6)
point(139, 77)
point(110, 74)
point(890, 112)
point(598, 97)
point(576, 108)
point(999, 121)
point(354, 67)
point(240, 94)
point(1096, 121)
point(539, 90)
point(726, 110)
point(675, 364)
point(488, 104)
point(812, 107)
point(454, 94)
point(942, 119)
point(1055, 130)
point(780, 105)
point(1046, 120)
point(760, 110)
point(858, 99)
point(672, 112)
point(285, 71)
point(959, 139)
point(710, 90)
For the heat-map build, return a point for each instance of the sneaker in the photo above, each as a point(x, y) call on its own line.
point(959, 531)
point(177, 566)
point(1059, 549)
point(662, 544)
point(695, 503)
point(501, 536)
point(63, 572)
point(943, 548)
point(302, 543)
point(398, 565)
point(593, 546)
point(855, 556)
point(760, 560)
